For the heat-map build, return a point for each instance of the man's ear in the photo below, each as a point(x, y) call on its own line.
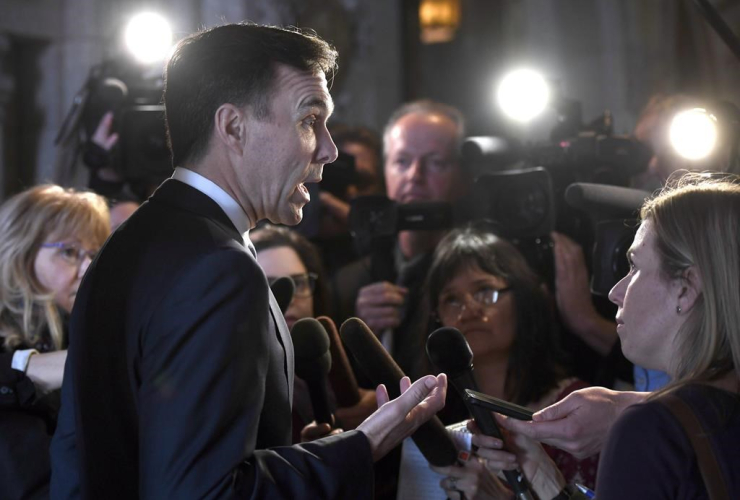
point(230, 127)
point(691, 288)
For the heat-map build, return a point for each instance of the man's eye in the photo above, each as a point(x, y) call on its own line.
point(310, 121)
point(401, 162)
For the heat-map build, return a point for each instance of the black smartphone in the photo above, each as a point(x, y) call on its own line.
point(498, 405)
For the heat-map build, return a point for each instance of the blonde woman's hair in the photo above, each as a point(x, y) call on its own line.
point(696, 219)
point(27, 220)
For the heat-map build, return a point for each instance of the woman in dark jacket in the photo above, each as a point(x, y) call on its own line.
point(48, 237)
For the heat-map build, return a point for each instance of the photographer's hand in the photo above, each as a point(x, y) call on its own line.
point(379, 305)
point(103, 136)
point(573, 297)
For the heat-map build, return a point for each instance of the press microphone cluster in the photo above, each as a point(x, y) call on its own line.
point(341, 376)
point(450, 352)
point(431, 437)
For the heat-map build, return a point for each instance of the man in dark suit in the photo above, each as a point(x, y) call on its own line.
point(180, 370)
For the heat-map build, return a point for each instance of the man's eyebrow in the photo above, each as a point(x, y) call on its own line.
point(326, 105)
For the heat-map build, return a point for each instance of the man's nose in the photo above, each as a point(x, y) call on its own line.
point(326, 151)
point(417, 170)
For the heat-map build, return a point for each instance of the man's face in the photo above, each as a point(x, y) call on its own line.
point(421, 162)
point(289, 148)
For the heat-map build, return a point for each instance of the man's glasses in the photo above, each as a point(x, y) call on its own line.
point(452, 306)
point(71, 254)
point(305, 283)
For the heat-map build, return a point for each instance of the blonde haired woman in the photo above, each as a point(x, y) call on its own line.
point(678, 311)
point(48, 237)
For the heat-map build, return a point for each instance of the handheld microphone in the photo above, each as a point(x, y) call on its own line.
point(341, 377)
point(283, 288)
point(450, 352)
point(312, 364)
point(431, 437)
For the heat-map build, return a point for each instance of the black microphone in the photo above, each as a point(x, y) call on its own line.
point(431, 437)
point(312, 364)
point(341, 377)
point(282, 289)
point(450, 352)
point(607, 200)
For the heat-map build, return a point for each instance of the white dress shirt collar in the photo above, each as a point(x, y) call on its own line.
point(232, 209)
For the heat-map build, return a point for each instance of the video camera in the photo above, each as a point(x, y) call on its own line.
point(134, 94)
point(374, 222)
point(522, 189)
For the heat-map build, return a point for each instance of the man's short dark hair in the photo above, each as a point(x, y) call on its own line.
point(234, 63)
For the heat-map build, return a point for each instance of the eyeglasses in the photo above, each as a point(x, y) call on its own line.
point(71, 254)
point(304, 283)
point(452, 306)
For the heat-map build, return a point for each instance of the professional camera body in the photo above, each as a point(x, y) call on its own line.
point(134, 94)
point(522, 189)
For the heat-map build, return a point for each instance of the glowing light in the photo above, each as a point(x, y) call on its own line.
point(148, 37)
point(523, 94)
point(693, 133)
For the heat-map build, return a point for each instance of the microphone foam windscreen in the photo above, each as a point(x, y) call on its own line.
point(432, 438)
point(341, 376)
point(283, 289)
point(311, 345)
point(370, 354)
point(449, 351)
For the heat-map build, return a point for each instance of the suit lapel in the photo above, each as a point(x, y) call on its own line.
point(285, 340)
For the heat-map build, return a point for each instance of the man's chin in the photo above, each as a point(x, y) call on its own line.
point(291, 218)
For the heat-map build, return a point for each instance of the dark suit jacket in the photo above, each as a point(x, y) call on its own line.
point(180, 367)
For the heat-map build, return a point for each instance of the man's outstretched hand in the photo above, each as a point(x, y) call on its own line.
point(396, 420)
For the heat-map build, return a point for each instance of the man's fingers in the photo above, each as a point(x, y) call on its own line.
point(405, 384)
point(381, 395)
point(424, 389)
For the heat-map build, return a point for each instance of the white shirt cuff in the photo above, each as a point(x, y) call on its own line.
point(21, 359)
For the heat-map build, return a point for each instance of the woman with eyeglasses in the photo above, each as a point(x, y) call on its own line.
point(48, 237)
point(284, 252)
point(483, 286)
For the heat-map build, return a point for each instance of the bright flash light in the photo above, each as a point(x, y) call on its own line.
point(693, 133)
point(523, 94)
point(149, 37)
